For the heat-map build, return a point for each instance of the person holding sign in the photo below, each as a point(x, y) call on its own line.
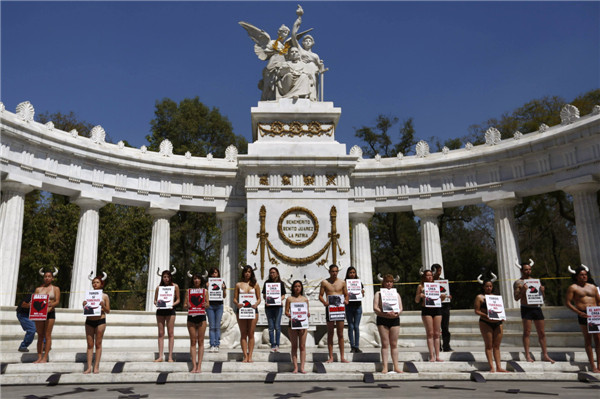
point(26, 324)
point(217, 293)
point(354, 308)
point(531, 294)
point(431, 313)
point(491, 330)
point(581, 295)
point(274, 294)
point(44, 327)
point(166, 297)
point(95, 325)
point(436, 268)
point(334, 287)
point(196, 302)
point(296, 308)
point(387, 305)
point(241, 299)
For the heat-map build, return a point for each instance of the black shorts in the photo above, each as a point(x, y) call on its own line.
point(492, 324)
point(532, 313)
point(582, 321)
point(431, 312)
point(165, 312)
point(198, 319)
point(95, 323)
point(389, 323)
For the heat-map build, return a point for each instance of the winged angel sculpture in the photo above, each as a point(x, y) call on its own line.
point(292, 71)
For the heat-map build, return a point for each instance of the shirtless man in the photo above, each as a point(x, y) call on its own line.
point(334, 286)
point(530, 313)
point(579, 296)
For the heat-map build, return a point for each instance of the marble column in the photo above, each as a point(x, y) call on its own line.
point(86, 249)
point(431, 245)
point(160, 251)
point(228, 255)
point(361, 256)
point(507, 248)
point(12, 211)
point(587, 221)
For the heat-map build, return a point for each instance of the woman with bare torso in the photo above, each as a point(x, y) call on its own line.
point(44, 327)
point(247, 285)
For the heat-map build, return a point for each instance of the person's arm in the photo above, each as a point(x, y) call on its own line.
point(257, 291)
point(307, 306)
point(478, 310)
point(518, 290)
point(206, 301)
point(264, 292)
point(185, 299)
point(324, 301)
point(105, 304)
point(156, 295)
point(399, 304)
point(345, 292)
point(56, 300)
point(419, 295)
point(177, 299)
point(287, 309)
point(376, 306)
point(224, 290)
point(569, 302)
point(236, 296)
point(282, 290)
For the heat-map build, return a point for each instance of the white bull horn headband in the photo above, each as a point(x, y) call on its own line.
point(493, 279)
point(41, 271)
point(91, 276)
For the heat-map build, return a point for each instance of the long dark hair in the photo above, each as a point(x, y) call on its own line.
point(278, 278)
point(252, 281)
point(168, 273)
point(212, 270)
point(301, 287)
point(348, 272)
point(198, 276)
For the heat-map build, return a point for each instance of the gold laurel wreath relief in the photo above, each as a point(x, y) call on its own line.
point(295, 129)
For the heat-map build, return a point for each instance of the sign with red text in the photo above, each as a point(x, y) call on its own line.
point(38, 309)
point(593, 321)
point(389, 300)
point(299, 313)
point(432, 293)
point(215, 289)
point(354, 289)
point(337, 308)
point(534, 292)
point(444, 289)
point(273, 294)
point(247, 300)
point(92, 303)
point(166, 297)
point(495, 307)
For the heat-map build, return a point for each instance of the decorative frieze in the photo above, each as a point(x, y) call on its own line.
point(568, 114)
point(98, 135)
point(422, 149)
point(295, 129)
point(25, 111)
point(492, 136)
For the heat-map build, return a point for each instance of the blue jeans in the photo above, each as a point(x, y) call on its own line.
point(28, 327)
point(274, 320)
point(214, 314)
point(353, 316)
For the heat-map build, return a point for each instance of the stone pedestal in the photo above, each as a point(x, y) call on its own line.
point(587, 220)
point(11, 234)
point(507, 248)
point(159, 251)
point(86, 250)
point(431, 246)
point(228, 257)
point(361, 256)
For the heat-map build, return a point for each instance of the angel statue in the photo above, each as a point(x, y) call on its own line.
point(286, 73)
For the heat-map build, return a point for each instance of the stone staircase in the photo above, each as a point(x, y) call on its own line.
point(130, 345)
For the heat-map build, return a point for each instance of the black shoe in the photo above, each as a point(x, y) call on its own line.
point(448, 349)
point(352, 350)
point(23, 350)
point(356, 350)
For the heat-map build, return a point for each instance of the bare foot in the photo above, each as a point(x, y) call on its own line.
point(330, 360)
point(547, 358)
point(596, 370)
point(432, 359)
point(502, 371)
point(439, 360)
point(171, 360)
point(529, 359)
point(88, 371)
point(96, 371)
point(384, 371)
point(159, 360)
point(398, 371)
point(38, 360)
point(345, 361)
point(43, 361)
point(250, 360)
point(295, 371)
point(303, 372)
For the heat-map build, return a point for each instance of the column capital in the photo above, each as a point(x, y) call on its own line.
point(503, 203)
point(161, 213)
point(88, 203)
point(15, 187)
point(425, 213)
point(576, 187)
point(363, 217)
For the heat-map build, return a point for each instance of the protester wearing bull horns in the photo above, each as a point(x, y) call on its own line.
point(166, 316)
point(581, 294)
point(44, 327)
point(530, 312)
point(436, 268)
point(96, 325)
point(247, 327)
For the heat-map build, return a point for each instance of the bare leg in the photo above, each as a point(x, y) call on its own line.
point(193, 340)
point(294, 335)
point(526, 335)
point(394, 333)
point(384, 333)
point(597, 343)
point(302, 335)
point(89, 337)
point(340, 335)
point(171, 332)
point(48, 337)
point(252, 328)
point(99, 336)
point(160, 321)
point(498, 333)
point(588, 348)
point(486, 333)
point(540, 328)
point(40, 327)
point(428, 323)
point(330, 327)
point(243, 325)
point(437, 328)
point(200, 339)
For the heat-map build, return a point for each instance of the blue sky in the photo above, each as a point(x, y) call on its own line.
point(446, 64)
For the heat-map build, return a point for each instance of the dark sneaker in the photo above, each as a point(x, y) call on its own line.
point(23, 350)
point(356, 350)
